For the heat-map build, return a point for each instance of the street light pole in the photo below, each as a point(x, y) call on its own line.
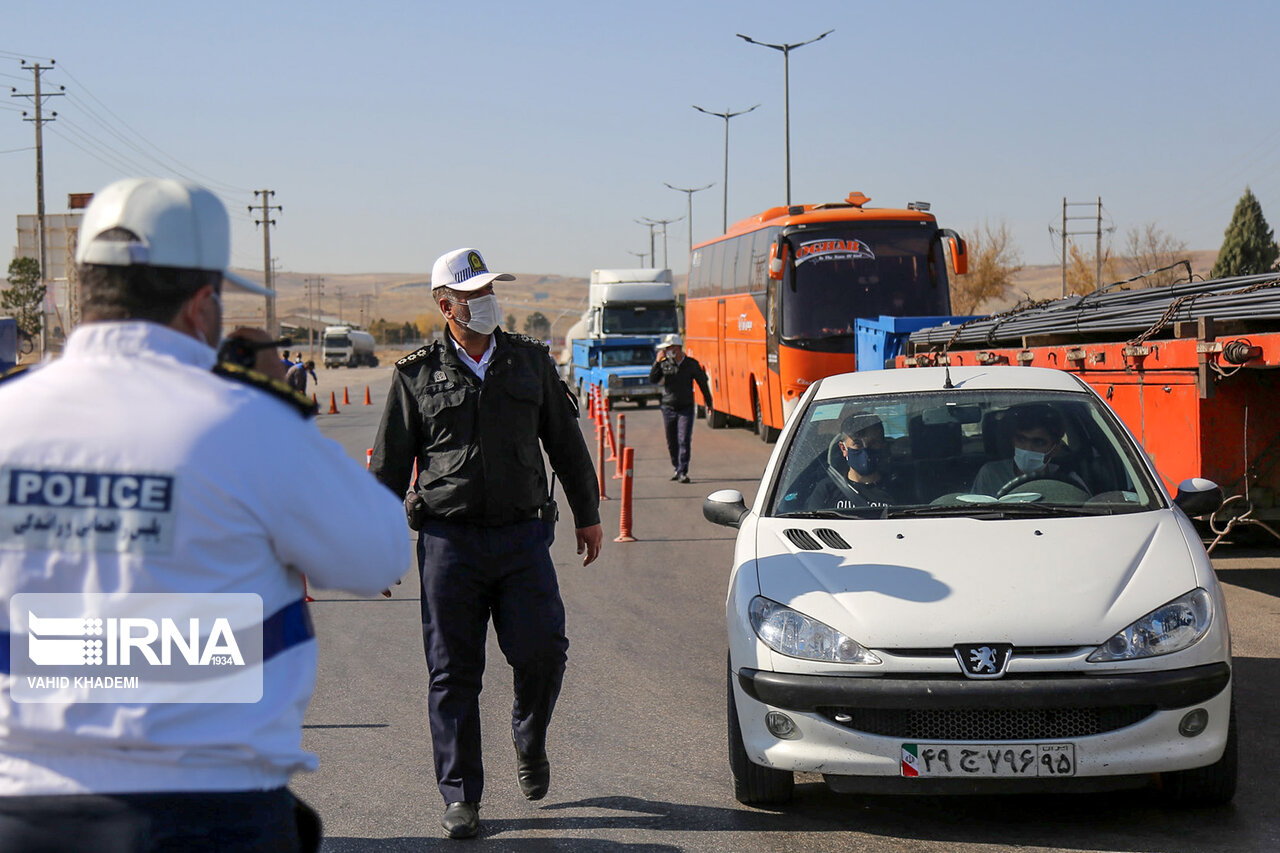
point(664, 223)
point(652, 257)
point(640, 255)
point(689, 212)
point(726, 115)
point(786, 89)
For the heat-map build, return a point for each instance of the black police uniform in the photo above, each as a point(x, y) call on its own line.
point(677, 405)
point(485, 532)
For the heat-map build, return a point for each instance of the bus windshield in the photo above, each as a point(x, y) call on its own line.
point(632, 319)
point(860, 271)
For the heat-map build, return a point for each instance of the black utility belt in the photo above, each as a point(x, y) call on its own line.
point(418, 516)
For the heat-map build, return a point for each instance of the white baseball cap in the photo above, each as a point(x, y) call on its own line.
point(464, 270)
point(177, 225)
point(670, 341)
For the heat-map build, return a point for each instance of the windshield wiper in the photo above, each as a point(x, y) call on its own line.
point(992, 510)
point(855, 512)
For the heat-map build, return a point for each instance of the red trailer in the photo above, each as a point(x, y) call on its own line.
point(1200, 393)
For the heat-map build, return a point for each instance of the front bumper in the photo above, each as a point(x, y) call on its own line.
point(1122, 724)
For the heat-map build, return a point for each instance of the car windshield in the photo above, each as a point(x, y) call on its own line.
point(987, 454)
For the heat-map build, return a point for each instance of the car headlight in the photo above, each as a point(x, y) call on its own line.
point(796, 635)
point(1169, 628)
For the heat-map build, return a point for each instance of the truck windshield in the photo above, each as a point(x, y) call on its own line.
point(860, 271)
point(627, 356)
point(639, 319)
point(337, 341)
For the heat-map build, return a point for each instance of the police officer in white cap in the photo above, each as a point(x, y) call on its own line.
point(476, 411)
point(135, 479)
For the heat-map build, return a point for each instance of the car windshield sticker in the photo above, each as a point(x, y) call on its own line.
point(826, 412)
point(833, 250)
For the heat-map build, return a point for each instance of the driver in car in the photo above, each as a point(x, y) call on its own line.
point(856, 466)
point(1037, 450)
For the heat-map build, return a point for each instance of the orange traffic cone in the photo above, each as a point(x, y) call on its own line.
point(333, 403)
point(367, 401)
point(346, 400)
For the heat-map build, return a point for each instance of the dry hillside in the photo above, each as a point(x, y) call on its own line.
point(403, 297)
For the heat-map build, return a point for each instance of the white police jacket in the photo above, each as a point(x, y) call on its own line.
point(127, 466)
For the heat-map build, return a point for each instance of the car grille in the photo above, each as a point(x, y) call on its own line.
point(990, 724)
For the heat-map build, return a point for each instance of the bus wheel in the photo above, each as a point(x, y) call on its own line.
point(767, 434)
point(716, 420)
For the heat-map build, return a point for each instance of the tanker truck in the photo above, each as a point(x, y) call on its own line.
point(343, 346)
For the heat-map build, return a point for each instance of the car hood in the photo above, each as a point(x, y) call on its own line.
point(916, 583)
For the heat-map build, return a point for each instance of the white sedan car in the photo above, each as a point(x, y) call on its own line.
point(972, 580)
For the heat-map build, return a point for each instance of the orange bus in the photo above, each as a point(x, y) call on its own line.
point(771, 304)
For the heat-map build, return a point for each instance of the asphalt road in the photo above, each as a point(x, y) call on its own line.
point(638, 741)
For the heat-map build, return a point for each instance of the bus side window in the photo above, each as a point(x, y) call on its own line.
point(697, 275)
point(715, 262)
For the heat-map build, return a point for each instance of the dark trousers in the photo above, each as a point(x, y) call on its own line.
point(679, 424)
point(185, 822)
point(469, 573)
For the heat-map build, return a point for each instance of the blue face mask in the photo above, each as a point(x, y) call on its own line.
point(863, 462)
point(1028, 461)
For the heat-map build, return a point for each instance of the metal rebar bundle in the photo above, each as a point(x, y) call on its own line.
point(1136, 314)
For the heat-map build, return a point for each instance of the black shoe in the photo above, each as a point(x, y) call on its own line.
point(684, 478)
point(461, 820)
point(533, 772)
point(675, 476)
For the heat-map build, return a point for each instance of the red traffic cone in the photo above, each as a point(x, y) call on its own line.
point(367, 401)
point(346, 400)
point(333, 403)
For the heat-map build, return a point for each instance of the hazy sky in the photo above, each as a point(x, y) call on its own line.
point(540, 131)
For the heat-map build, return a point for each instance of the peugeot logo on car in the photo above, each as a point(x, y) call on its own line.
point(984, 660)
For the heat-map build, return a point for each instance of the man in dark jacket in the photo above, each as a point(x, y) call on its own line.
point(677, 372)
point(475, 411)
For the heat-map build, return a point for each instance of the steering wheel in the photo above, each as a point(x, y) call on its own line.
point(1022, 479)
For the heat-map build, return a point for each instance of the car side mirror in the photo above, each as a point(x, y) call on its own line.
point(1198, 496)
point(725, 507)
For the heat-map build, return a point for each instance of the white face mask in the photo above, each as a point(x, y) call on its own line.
point(1028, 461)
point(485, 313)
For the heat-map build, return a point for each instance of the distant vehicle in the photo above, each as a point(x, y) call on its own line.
point(343, 346)
point(631, 302)
point(773, 302)
point(620, 366)
point(613, 344)
point(972, 580)
point(8, 343)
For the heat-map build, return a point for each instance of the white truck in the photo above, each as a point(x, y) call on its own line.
point(631, 302)
point(343, 346)
point(612, 345)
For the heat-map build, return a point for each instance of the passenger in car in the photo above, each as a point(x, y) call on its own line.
point(856, 466)
point(1038, 448)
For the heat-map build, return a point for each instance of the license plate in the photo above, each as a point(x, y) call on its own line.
point(988, 760)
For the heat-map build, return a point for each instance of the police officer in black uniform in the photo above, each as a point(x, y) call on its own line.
point(472, 410)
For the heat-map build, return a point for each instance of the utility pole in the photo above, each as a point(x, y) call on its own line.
point(266, 222)
point(726, 115)
point(786, 88)
point(339, 305)
point(315, 288)
point(37, 98)
point(1066, 232)
point(689, 212)
point(664, 223)
point(641, 255)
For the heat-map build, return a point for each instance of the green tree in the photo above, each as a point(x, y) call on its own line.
point(511, 323)
point(537, 325)
point(24, 296)
point(1249, 245)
